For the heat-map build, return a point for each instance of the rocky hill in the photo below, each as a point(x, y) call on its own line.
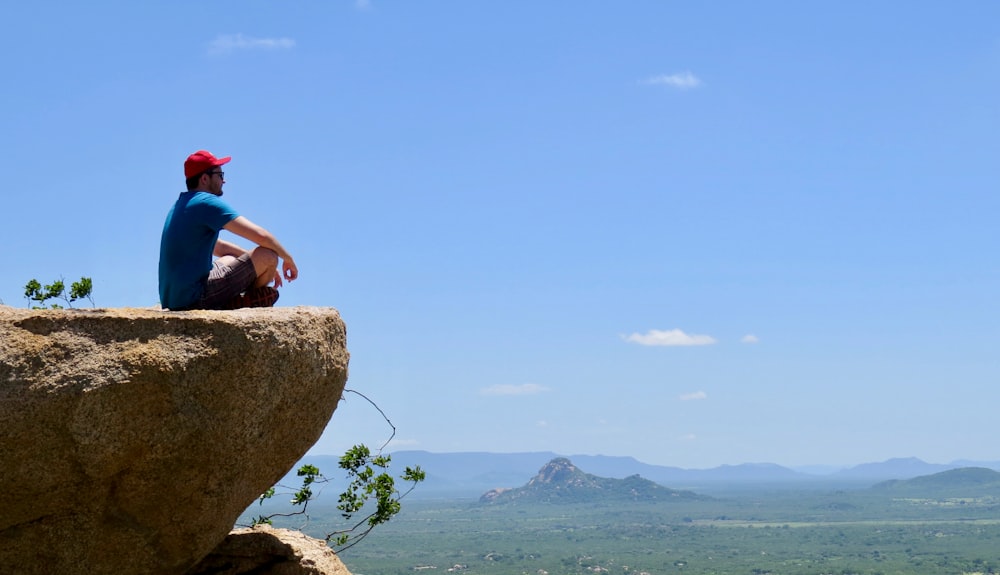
point(559, 481)
point(134, 438)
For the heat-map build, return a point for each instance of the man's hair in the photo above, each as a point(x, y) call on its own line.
point(192, 182)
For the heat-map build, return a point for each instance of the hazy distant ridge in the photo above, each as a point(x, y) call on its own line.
point(476, 472)
point(896, 468)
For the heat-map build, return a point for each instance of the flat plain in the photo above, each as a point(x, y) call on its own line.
point(745, 531)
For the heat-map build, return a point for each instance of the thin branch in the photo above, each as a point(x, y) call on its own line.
point(379, 409)
point(358, 491)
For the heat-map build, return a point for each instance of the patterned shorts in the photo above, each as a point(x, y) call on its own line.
point(227, 282)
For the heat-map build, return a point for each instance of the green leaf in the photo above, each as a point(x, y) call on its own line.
point(266, 495)
point(413, 474)
point(32, 289)
point(81, 289)
point(308, 470)
point(55, 289)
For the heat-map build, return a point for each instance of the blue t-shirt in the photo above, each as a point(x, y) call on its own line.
point(186, 247)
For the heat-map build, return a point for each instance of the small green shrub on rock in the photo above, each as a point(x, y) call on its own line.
point(36, 292)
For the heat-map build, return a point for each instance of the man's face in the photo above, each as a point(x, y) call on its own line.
point(215, 181)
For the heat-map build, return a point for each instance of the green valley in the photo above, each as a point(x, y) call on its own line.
point(948, 523)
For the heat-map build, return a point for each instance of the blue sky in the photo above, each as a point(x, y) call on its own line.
point(696, 234)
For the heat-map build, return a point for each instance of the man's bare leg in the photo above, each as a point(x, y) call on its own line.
point(265, 264)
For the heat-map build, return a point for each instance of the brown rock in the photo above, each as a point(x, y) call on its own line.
point(264, 550)
point(132, 439)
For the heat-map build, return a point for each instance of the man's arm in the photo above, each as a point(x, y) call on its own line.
point(258, 235)
point(224, 248)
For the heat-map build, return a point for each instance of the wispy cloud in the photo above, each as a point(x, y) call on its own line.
point(362, 4)
point(750, 338)
point(672, 337)
point(680, 81)
point(688, 437)
point(694, 396)
point(510, 389)
point(229, 43)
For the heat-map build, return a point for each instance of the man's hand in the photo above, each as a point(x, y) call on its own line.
point(258, 235)
point(290, 270)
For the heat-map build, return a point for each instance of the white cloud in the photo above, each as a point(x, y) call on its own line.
point(693, 396)
point(362, 4)
point(681, 81)
point(688, 437)
point(229, 43)
point(671, 337)
point(542, 423)
point(750, 338)
point(509, 389)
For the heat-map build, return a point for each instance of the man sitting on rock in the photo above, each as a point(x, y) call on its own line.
point(189, 278)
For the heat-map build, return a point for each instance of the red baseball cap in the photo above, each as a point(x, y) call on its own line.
point(202, 161)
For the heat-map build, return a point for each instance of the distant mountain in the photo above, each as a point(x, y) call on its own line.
point(475, 469)
point(897, 468)
point(818, 469)
point(559, 481)
point(620, 466)
point(962, 482)
point(746, 472)
point(470, 473)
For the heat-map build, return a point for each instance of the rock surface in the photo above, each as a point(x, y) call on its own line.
point(264, 550)
point(132, 439)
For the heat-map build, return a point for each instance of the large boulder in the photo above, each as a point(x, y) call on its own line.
point(132, 439)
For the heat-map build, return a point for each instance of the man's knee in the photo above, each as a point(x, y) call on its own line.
point(264, 259)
